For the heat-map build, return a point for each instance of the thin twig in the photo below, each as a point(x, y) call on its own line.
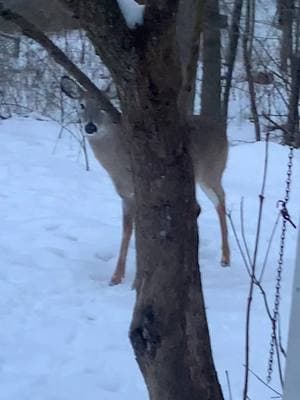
point(49, 117)
point(259, 285)
point(269, 248)
point(229, 385)
point(277, 347)
point(264, 383)
point(84, 149)
point(275, 124)
point(235, 234)
point(253, 270)
point(280, 338)
point(243, 231)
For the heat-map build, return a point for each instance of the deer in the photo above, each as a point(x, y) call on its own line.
point(208, 149)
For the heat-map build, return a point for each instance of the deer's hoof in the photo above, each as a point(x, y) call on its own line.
point(116, 280)
point(225, 263)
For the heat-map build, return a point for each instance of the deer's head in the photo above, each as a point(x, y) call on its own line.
point(90, 113)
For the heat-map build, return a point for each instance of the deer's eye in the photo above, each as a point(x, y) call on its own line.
point(82, 106)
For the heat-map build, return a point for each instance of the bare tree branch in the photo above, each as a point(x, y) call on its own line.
point(111, 28)
point(30, 30)
point(253, 271)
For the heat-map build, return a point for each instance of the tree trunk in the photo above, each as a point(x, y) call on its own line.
point(169, 330)
point(189, 24)
point(293, 138)
point(211, 78)
point(234, 35)
point(286, 14)
point(247, 55)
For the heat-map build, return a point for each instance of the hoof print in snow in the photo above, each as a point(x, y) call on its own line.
point(56, 251)
point(104, 257)
point(52, 228)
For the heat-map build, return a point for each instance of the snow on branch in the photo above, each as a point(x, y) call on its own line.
point(133, 12)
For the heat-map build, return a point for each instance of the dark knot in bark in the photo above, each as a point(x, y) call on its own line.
point(144, 336)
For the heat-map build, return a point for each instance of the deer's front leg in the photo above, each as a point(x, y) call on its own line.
point(128, 216)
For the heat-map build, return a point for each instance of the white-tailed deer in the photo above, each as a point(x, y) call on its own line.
point(208, 149)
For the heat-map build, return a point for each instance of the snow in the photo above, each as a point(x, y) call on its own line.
point(132, 12)
point(64, 331)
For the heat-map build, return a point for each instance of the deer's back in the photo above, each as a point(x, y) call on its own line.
point(208, 149)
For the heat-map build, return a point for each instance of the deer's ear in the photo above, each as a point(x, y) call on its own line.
point(71, 88)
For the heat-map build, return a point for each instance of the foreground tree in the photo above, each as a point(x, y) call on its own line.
point(169, 330)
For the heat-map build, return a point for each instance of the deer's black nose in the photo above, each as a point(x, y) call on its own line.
point(90, 128)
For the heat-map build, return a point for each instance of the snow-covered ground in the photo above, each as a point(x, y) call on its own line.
point(63, 332)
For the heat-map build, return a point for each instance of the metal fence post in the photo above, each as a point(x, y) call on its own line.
point(292, 370)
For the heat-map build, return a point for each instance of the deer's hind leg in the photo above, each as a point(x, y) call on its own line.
point(217, 196)
point(128, 218)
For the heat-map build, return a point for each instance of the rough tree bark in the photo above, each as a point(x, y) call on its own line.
point(211, 78)
point(293, 138)
point(47, 15)
point(189, 24)
point(234, 35)
point(286, 15)
point(169, 330)
point(247, 55)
